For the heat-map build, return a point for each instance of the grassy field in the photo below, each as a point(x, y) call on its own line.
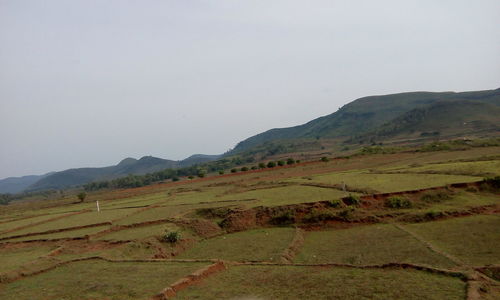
point(367, 245)
point(262, 282)
point(253, 245)
point(472, 168)
point(386, 183)
point(250, 217)
point(12, 259)
point(140, 232)
point(99, 280)
point(83, 219)
point(474, 240)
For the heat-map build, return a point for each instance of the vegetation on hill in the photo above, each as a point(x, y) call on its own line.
point(366, 114)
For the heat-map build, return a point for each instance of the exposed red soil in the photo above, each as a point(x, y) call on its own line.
point(190, 280)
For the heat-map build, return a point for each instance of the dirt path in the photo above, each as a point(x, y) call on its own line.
point(298, 240)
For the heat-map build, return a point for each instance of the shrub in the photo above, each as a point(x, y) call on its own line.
point(234, 170)
point(432, 215)
point(221, 172)
point(352, 200)
point(324, 159)
point(254, 167)
point(190, 176)
point(171, 236)
point(435, 197)
point(319, 216)
point(297, 161)
point(244, 169)
point(175, 178)
point(201, 174)
point(262, 165)
point(347, 214)
point(335, 203)
point(493, 182)
point(290, 161)
point(271, 164)
point(397, 202)
point(281, 163)
point(284, 218)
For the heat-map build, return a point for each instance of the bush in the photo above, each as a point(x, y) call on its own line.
point(352, 200)
point(435, 197)
point(493, 182)
point(171, 236)
point(319, 216)
point(297, 161)
point(190, 176)
point(221, 172)
point(324, 159)
point(234, 170)
point(432, 215)
point(254, 168)
point(271, 164)
point(347, 214)
point(244, 169)
point(335, 203)
point(175, 178)
point(397, 202)
point(281, 163)
point(262, 165)
point(284, 218)
point(290, 161)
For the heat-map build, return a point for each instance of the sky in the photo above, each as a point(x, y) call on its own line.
point(87, 83)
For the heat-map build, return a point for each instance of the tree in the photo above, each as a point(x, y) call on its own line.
point(244, 169)
point(290, 161)
point(262, 165)
point(281, 163)
point(81, 196)
point(221, 172)
point(271, 164)
point(234, 170)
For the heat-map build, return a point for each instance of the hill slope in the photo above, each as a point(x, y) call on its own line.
point(365, 114)
point(147, 164)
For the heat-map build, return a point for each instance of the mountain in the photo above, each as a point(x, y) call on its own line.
point(144, 165)
point(13, 185)
point(448, 118)
point(368, 113)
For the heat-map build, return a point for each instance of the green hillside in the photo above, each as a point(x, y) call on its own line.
point(363, 115)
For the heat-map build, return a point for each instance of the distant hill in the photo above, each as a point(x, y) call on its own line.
point(366, 114)
point(80, 176)
point(13, 185)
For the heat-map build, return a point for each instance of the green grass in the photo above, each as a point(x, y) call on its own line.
point(143, 200)
point(99, 280)
point(390, 182)
point(26, 222)
point(262, 282)
point(260, 244)
point(288, 195)
point(88, 218)
point(12, 259)
point(367, 245)
point(157, 213)
point(64, 234)
point(474, 168)
point(138, 233)
point(474, 240)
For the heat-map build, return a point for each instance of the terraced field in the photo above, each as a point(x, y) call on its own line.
point(390, 226)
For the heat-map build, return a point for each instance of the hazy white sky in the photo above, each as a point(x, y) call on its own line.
point(88, 83)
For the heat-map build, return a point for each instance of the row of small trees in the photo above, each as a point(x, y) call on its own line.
point(270, 164)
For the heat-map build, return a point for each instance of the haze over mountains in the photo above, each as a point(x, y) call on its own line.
point(403, 116)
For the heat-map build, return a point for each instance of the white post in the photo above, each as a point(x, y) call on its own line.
point(97, 203)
